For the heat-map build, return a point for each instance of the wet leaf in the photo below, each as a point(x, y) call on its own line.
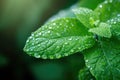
point(86, 16)
point(109, 12)
point(103, 30)
point(103, 60)
point(58, 38)
point(115, 23)
point(84, 74)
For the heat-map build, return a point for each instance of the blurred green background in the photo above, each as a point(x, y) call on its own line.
point(18, 18)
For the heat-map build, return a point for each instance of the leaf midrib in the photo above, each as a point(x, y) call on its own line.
point(107, 60)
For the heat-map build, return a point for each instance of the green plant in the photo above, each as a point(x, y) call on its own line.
point(95, 34)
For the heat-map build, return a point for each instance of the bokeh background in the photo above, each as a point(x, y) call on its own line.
point(18, 18)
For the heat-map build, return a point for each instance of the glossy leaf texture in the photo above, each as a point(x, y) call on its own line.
point(84, 74)
point(87, 17)
point(59, 38)
point(103, 60)
point(109, 12)
point(102, 30)
point(115, 23)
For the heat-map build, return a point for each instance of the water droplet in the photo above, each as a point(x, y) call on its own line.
point(72, 50)
point(38, 45)
point(66, 54)
point(100, 6)
point(88, 66)
point(54, 24)
point(118, 15)
point(39, 34)
point(33, 44)
point(50, 27)
point(48, 31)
point(57, 55)
point(44, 56)
point(32, 34)
point(51, 57)
point(37, 55)
point(58, 47)
point(86, 60)
point(114, 22)
point(105, 1)
point(66, 43)
point(70, 39)
point(27, 41)
point(30, 37)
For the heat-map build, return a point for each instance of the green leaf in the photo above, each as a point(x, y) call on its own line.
point(115, 23)
point(108, 9)
point(84, 74)
point(109, 12)
point(103, 60)
point(103, 30)
point(59, 38)
point(86, 16)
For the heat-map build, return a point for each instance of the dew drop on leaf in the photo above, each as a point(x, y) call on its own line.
point(51, 57)
point(86, 60)
point(71, 50)
point(54, 24)
point(100, 6)
point(39, 34)
point(91, 68)
point(66, 43)
point(70, 39)
point(48, 31)
point(66, 54)
point(44, 56)
point(36, 55)
point(50, 27)
point(88, 66)
point(57, 55)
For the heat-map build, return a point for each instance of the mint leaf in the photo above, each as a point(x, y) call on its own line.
point(84, 74)
point(102, 30)
point(86, 16)
point(115, 23)
point(109, 12)
point(59, 38)
point(108, 9)
point(103, 60)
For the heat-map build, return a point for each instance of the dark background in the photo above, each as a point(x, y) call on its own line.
point(18, 18)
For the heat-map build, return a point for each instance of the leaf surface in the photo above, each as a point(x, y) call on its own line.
point(59, 38)
point(102, 30)
point(86, 16)
point(103, 60)
point(84, 74)
point(109, 12)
